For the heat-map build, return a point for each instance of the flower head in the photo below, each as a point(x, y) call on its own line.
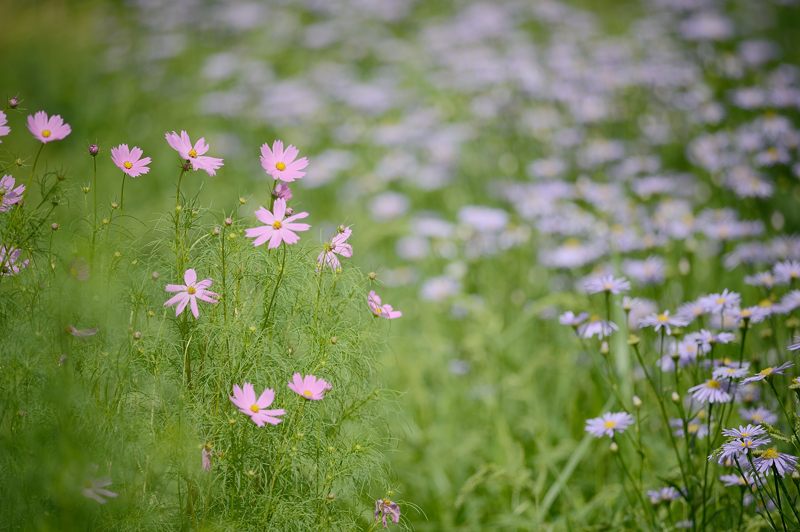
point(571, 319)
point(607, 284)
point(771, 458)
point(337, 246)
point(276, 227)
point(597, 327)
point(309, 387)
point(664, 321)
point(130, 161)
point(280, 163)
point(4, 129)
point(768, 372)
point(385, 508)
point(667, 494)
point(608, 424)
point(710, 391)
point(194, 153)
point(189, 293)
point(758, 415)
point(245, 400)
point(739, 448)
point(8, 194)
point(749, 431)
point(379, 310)
point(47, 129)
point(9, 261)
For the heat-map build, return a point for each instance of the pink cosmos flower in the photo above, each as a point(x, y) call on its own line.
point(281, 164)
point(194, 153)
point(8, 194)
point(189, 293)
point(205, 457)
point(81, 333)
point(130, 161)
point(337, 246)
point(276, 228)
point(245, 400)
point(4, 129)
point(48, 129)
point(380, 310)
point(282, 191)
point(10, 263)
point(309, 386)
point(95, 489)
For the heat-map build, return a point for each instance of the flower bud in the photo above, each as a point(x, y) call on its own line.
point(372, 276)
point(94, 149)
point(114, 205)
point(215, 231)
point(242, 201)
point(13, 102)
point(137, 335)
point(613, 447)
point(633, 340)
point(155, 275)
point(604, 348)
point(637, 403)
point(334, 340)
point(675, 397)
point(54, 226)
point(229, 221)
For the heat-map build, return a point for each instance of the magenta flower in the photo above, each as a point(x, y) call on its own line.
point(281, 164)
point(48, 129)
point(10, 263)
point(277, 229)
point(130, 161)
point(4, 129)
point(189, 293)
point(8, 194)
point(282, 191)
point(195, 154)
point(386, 508)
point(245, 400)
point(309, 387)
point(380, 310)
point(337, 246)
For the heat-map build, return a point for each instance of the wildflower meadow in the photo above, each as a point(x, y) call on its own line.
point(400, 264)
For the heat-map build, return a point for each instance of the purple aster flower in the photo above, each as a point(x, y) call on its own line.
point(710, 391)
point(608, 424)
point(571, 319)
point(749, 431)
point(667, 494)
point(782, 462)
point(608, 284)
point(597, 327)
point(733, 480)
point(758, 415)
point(786, 271)
point(730, 371)
point(767, 372)
point(737, 448)
point(385, 508)
point(663, 321)
point(717, 303)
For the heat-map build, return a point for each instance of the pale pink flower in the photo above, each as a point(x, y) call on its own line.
point(277, 229)
point(337, 246)
point(10, 263)
point(4, 129)
point(189, 293)
point(205, 457)
point(95, 489)
point(282, 191)
point(280, 163)
point(245, 400)
point(8, 194)
point(380, 310)
point(195, 154)
point(130, 161)
point(48, 129)
point(309, 387)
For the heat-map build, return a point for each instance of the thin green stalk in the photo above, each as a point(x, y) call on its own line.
point(265, 322)
point(778, 497)
point(122, 192)
point(36, 160)
point(178, 239)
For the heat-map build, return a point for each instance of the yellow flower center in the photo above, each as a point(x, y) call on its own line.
point(610, 424)
point(693, 428)
point(378, 311)
point(254, 409)
point(128, 165)
point(276, 224)
point(192, 153)
point(191, 290)
point(766, 372)
point(46, 133)
point(746, 444)
point(663, 318)
point(713, 383)
point(770, 454)
point(280, 165)
point(766, 303)
point(327, 247)
point(307, 393)
point(720, 301)
point(746, 313)
point(758, 418)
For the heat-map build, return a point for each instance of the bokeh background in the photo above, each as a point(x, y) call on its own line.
point(487, 155)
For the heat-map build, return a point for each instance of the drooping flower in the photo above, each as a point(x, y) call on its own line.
point(608, 284)
point(663, 321)
point(733, 480)
point(95, 489)
point(245, 400)
point(9, 195)
point(4, 129)
point(385, 508)
point(597, 327)
point(189, 293)
point(768, 372)
point(47, 129)
point(309, 387)
point(710, 391)
point(379, 310)
point(9, 261)
point(277, 229)
point(782, 462)
point(337, 246)
point(195, 154)
point(281, 164)
point(571, 319)
point(608, 424)
point(130, 161)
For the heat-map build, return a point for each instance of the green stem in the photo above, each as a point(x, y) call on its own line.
point(265, 323)
point(36, 160)
point(122, 192)
point(178, 240)
point(778, 496)
point(94, 193)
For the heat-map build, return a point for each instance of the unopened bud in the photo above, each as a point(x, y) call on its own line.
point(54, 226)
point(137, 335)
point(633, 340)
point(215, 231)
point(94, 149)
point(372, 276)
point(85, 189)
point(114, 205)
point(155, 275)
point(178, 208)
point(13, 102)
point(334, 340)
point(604, 347)
point(637, 403)
point(675, 397)
point(229, 221)
point(613, 447)
point(242, 201)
